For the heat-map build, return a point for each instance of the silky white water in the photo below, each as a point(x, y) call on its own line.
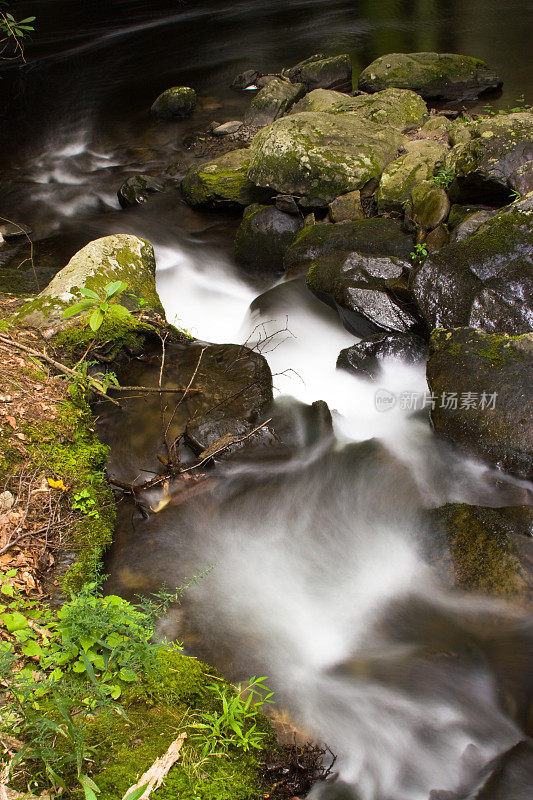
point(311, 567)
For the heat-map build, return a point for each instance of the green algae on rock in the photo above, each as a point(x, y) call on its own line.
point(430, 204)
point(221, 182)
point(178, 102)
point(485, 280)
point(320, 72)
point(318, 156)
point(272, 101)
point(112, 258)
point(446, 76)
point(483, 554)
point(491, 378)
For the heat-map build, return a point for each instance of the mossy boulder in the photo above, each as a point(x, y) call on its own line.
point(319, 72)
point(483, 281)
point(178, 102)
point(264, 235)
point(484, 557)
point(397, 107)
point(472, 223)
point(318, 156)
point(445, 76)
point(488, 379)
point(430, 205)
point(365, 358)
point(138, 188)
point(377, 235)
point(112, 258)
point(272, 101)
point(399, 178)
point(221, 182)
point(368, 291)
point(486, 164)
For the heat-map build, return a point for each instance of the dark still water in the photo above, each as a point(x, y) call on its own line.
point(322, 576)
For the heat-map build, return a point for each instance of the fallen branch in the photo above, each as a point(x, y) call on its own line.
point(225, 447)
point(153, 778)
point(56, 364)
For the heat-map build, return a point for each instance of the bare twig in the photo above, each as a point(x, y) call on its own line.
point(225, 447)
point(153, 777)
point(21, 229)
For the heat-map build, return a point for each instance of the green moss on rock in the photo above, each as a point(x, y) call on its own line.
point(221, 182)
point(178, 102)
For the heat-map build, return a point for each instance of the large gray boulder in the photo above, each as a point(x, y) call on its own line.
point(113, 258)
point(397, 107)
point(378, 236)
point(318, 156)
point(494, 160)
point(369, 292)
point(483, 388)
point(263, 236)
point(485, 280)
point(271, 102)
point(445, 76)
point(365, 358)
point(319, 72)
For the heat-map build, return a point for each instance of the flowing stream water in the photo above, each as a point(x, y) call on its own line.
point(323, 564)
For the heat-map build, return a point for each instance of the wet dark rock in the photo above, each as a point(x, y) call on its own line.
point(12, 230)
point(227, 128)
point(491, 378)
point(365, 358)
point(437, 238)
point(369, 292)
point(484, 557)
point(175, 103)
point(264, 235)
point(319, 72)
point(512, 775)
point(288, 204)
point(238, 383)
point(483, 281)
point(138, 189)
point(378, 236)
point(472, 223)
point(272, 101)
point(264, 80)
point(486, 164)
point(245, 79)
point(431, 205)
point(347, 207)
point(445, 76)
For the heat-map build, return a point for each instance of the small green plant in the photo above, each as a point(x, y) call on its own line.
point(82, 501)
point(97, 306)
point(444, 177)
point(83, 380)
point(419, 254)
point(235, 724)
point(514, 195)
point(12, 31)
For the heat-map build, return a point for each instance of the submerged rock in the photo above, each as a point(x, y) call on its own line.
point(484, 556)
point(175, 103)
point(445, 76)
point(378, 235)
point(319, 72)
point(245, 79)
point(483, 281)
point(138, 188)
point(112, 258)
point(483, 384)
point(274, 100)
point(221, 182)
point(397, 107)
point(487, 165)
point(400, 177)
point(319, 156)
point(369, 292)
point(365, 358)
point(264, 235)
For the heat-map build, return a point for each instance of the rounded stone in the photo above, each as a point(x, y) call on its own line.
point(178, 102)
